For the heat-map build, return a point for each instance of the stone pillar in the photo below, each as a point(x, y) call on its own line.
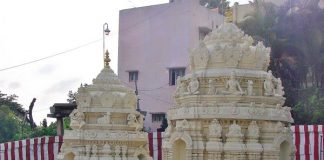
point(59, 126)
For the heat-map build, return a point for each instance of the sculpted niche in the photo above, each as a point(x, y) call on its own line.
point(233, 86)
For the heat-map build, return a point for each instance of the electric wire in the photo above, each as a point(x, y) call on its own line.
point(152, 97)
point(51, 56)
point(132, 3)
point(84, 45)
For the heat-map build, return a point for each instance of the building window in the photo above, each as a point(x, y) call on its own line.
point(203, 32)
point(158, 117)
point(174, 73)
point(133, 76)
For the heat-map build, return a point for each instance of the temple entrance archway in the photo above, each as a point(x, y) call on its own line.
point(284, 150)
point(179, 150)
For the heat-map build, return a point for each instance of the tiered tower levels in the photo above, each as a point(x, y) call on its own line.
point(229, 106)
point(105, 125)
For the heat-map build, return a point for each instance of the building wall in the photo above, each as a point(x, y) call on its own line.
point(155, 38)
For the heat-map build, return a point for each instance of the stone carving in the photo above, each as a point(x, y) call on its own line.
point(182, 125)
point(279, 126)
point(104, 119)
point(77, 119)
point(195, 131)
point(193, 86)
point(200, 59)
point(228, 47)
point(124, 152)
point(268, 85)
point(88, 150)
point(182, 88)
point(235, 110)
point(117, 153)
point(211, 87)
point(233, 86)
point(106, 148)
point(83, 98)
point(140, 123)
point(90, 134)
point(249, 89)
point(279, 89)
point(131, 119)
point(253, 130)
point(135, 121)
point(168, 130)
point(94, 150)
point(234, 131)
point(215, 129)
point(106, 115)
point(178, 87)
point(131, 99)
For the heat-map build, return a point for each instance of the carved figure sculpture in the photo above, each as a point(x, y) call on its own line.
point(268, 85)
point(215, 129)
point(193, 86)
point(77, 119)
point(250, 88)
point(124, 152)
point(106, 148)
point(279, 88)
point(234, 131)
point(94, 150)
point(253, 130)
point(135, 121)
point(131, 119)
point(211, 87)
point(117, 152)
point(88, 150)
point(140, 123)
point(181, 125)
point(105, 119)
point(233, 86)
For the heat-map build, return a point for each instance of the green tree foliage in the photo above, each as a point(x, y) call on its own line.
point(222, 5)
point(9, 123)
point(10, 101)
point(311, 110)
point(71, 97)
point(14, 123)
point(295, 33)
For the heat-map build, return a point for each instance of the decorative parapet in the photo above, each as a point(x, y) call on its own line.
point(228, 47)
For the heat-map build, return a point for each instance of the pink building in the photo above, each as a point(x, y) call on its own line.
point(154, 44)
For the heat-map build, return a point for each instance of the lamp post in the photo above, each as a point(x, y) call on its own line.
point(105, 32)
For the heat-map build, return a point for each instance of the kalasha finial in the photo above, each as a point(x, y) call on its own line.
point(107, 59)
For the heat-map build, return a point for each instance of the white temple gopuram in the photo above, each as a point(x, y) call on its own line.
point(229, 107)
point(106, 125)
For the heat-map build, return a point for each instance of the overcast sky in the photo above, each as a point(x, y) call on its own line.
point(34, 29)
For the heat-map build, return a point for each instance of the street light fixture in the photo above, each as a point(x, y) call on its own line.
point(105, 32)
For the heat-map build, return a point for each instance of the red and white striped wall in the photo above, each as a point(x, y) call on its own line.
point(155, 145)
point(42, 148)
point(308, 140)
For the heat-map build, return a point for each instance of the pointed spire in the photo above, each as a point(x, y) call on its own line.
point(106, 59)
